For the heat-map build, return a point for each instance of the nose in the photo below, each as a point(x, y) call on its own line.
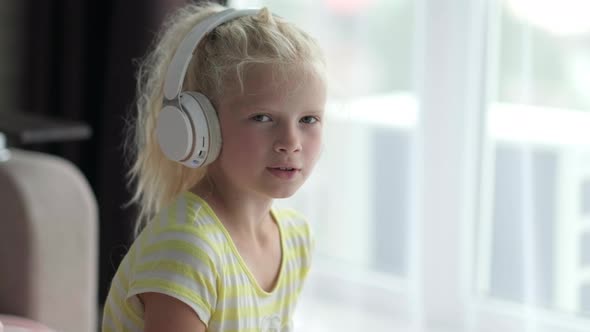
point(288, 139)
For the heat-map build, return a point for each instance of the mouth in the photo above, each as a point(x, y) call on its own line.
point(288, 169)
point(286, 172)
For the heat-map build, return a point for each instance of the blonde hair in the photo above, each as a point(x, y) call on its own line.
point(224, 54)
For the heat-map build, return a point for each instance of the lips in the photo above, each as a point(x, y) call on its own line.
point(285, 168)
point(284, 172)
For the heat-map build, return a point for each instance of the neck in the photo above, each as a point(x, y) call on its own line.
point(242, 213)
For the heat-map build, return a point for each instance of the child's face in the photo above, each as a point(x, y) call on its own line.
point(272, 133)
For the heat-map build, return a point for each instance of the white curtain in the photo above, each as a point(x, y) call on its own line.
point(453, 193)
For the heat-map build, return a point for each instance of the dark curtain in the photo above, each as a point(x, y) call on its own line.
point(79, 66)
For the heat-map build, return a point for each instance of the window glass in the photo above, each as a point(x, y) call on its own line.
point(534, 240)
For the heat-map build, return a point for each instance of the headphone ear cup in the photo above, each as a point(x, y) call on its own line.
point(214, 129)
point(190, 134)
point(174, 133)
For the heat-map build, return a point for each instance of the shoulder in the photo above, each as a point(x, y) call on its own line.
point(184, 225)
point(187, 209)
point(177, 254)
point(296, 229)
point(293, 222)
point(291, 218)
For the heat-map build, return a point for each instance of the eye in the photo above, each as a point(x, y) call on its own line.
point(261, 118)
point(309, 119)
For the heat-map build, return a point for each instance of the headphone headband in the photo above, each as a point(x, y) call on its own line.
point(184, 53)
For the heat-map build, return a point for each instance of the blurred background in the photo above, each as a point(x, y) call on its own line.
point(453, 193)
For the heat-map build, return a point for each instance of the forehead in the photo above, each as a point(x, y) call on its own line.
point(262, 83)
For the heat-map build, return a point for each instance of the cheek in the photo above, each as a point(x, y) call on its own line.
point(239, 144)
point(314, 145)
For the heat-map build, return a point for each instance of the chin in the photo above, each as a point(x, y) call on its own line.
point(283, 193)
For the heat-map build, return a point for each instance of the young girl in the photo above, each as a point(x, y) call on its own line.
point(224, 126)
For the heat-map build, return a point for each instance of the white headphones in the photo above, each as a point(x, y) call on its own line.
point(187, 127)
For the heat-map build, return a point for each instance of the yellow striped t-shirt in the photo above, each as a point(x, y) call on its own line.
point(186, 253)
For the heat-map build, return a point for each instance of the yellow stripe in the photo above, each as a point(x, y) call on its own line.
point(289, 214)
point(204, 214)
point(297, 253)
point(177, 268)
point(201, 233)
point(191, 214)
point(183, 245)
point(180, 246)
point(291, 229)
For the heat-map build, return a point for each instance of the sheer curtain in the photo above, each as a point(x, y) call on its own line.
point(453, 189)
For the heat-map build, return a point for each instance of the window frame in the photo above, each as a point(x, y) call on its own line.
point(472, 31)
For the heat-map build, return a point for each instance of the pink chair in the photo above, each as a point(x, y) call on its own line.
point(10, 323)
point(48, 244)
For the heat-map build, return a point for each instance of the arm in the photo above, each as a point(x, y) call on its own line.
point(165, 313)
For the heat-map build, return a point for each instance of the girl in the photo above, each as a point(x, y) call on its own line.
point(242, 108)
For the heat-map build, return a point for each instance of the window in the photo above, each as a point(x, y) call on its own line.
point(535, 225)
point(454, 188)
